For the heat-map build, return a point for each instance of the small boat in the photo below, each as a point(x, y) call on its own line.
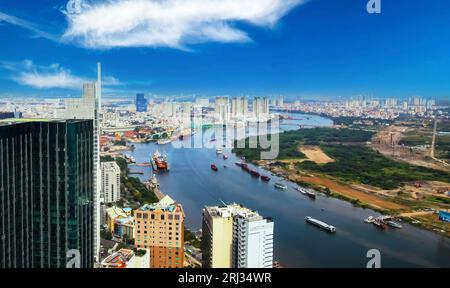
point(181, 138)
point(163, 141)
point(213, 140)
point(265, 178)
point(239, 164)
point(369, 219)
point(225, 166)
point(320, 224)
point(219, 151)
point(311, 194)
point(225, 157)
point(245, 167)
point(280, 186)
point(301, 190)
point(394, 224)
point(378, 224)
point(214, 167)
point(254, 173)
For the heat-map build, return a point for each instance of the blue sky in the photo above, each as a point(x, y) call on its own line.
point(310, 49)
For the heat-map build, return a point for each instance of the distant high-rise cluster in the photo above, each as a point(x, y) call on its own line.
point(236, 237)
point(47, 194)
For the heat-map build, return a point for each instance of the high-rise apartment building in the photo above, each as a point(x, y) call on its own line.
point(217, 228)
point(160, 228)
point(88, 107)
point(141, 103)
point(239, 107)
point(237, 237)
point(110, 182)
point(261, 108)
point(222, 109)
point(46, 193)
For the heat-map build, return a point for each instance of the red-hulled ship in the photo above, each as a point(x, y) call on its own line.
point(214, 167)
point(159, 162)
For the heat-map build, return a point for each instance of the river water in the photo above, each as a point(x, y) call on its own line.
point(296, 243)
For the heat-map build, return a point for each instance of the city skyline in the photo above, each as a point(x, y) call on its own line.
point(310, 49)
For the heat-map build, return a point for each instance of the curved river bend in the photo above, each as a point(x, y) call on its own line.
point(296, 243)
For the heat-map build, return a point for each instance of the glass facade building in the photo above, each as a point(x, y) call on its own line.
point(46, 193)
point(141, 103)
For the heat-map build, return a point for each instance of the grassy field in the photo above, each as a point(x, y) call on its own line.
point(291, 140)
point(363, 165)
point(353, 161)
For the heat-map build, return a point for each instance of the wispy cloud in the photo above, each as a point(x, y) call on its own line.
point(27, 25)
point(169, 23)
point(46, 77)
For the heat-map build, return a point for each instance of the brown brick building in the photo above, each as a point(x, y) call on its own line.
point(160, 228)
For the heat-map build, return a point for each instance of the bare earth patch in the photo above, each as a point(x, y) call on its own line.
point(316, 154)
point(349, 192)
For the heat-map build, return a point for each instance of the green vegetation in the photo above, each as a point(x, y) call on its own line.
point(290, 141)
point(105, 234)
point(139, 191)
point(135, 187)
point(139, 252)
point(366, 166)
point(191, 238)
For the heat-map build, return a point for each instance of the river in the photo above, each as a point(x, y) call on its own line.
point(296, 243)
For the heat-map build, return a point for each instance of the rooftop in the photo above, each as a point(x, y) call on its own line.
point(165, 204)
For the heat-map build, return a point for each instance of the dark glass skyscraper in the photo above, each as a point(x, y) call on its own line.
point(46, 193)
point(141, 103)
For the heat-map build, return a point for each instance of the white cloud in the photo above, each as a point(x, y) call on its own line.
point(26, 25)
point(169, 23)
point(53, 76)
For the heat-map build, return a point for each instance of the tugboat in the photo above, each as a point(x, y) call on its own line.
point(320, 224)
point(265, 178)
point(280, 186)
point(214, 167)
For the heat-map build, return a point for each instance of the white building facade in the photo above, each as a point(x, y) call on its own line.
point(110, 182)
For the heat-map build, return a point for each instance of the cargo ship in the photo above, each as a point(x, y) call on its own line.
point(311, 194)
point(320, 224)
point(159, 162)
point(254, 173)
point(265, 178)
